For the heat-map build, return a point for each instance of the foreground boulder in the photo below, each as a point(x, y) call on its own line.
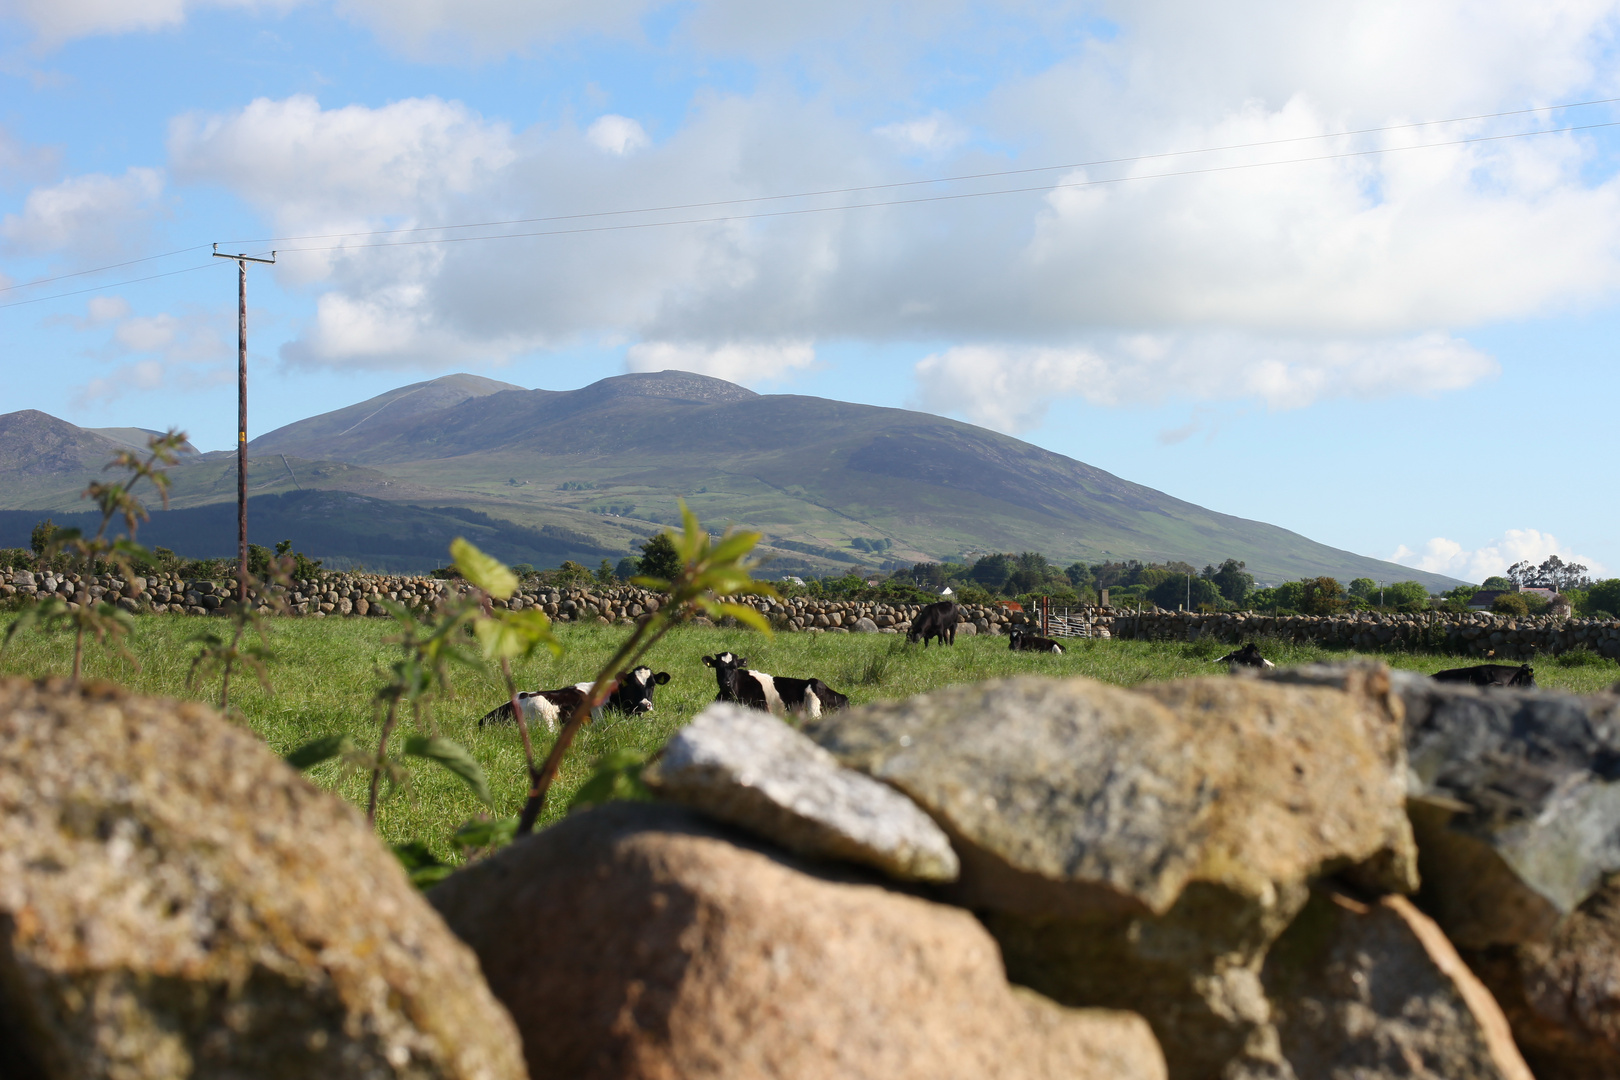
point(1374, 991)
point(1562, 995)
point(1141, 850)
point(748, 768)
point(637, 940)
point(176, 901)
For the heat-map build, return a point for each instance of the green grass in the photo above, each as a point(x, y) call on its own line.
point(328, 669)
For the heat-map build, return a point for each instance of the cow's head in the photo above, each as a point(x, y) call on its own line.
point(725, 664)
point(634, 694)
point(1525, 676)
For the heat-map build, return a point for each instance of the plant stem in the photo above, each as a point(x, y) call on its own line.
point(382, 757)
point(630, 652)
point(78, 653)
point(517, 714)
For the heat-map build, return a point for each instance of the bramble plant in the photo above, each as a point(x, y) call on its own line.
point(106, 623)
point(706, 572)
point(222, 655)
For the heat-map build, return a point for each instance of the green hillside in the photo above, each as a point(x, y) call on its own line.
point(832, 485)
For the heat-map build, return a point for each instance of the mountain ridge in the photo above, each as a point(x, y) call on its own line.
point(831, 484)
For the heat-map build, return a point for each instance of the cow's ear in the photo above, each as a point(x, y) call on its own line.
point(711, 661)
point(661, 678)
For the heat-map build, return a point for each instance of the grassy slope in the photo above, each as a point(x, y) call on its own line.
point(328, 669)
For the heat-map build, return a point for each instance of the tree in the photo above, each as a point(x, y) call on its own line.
point(1363, 588)
point(604, 574)
point(1604, 596)
point(1522, 573)
point(1497, 583)
point(1079, 575)
point(1234, 582)
point(992, 571)
point(1407, 595)
point(41, 537)
point(1510, 604)
point(1030, 573)
point(1176, 590)
point(1558, 574)
point(659, 559)
point(628, 568)
point(1321, 596)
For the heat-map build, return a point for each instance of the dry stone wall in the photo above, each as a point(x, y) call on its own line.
point(360, 594)
point(1500, 637)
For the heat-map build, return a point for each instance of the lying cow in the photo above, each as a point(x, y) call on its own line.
point(935, 621)
point(779, 694)
point(1490, 675)
point(1248, 656)
point(632, 695)
point(1019, 641)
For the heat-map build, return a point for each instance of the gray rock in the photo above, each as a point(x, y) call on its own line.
point(23, 579)
point(1514, 799)
point(864, 625)
point(752, 770)
point(1374, 991)
point(1141, 850)
point(966, 629)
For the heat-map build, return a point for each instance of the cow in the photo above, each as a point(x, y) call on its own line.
point(1248, 656)
point(632, 695)
point(935, 621)
point(1489, 675)
point(1019, 640)
point(771, 693)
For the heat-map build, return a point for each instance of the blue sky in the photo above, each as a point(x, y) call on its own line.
point(1397, 341)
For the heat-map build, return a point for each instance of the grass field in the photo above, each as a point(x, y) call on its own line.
point(327, 671)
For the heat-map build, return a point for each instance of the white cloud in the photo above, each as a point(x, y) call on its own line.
point(89, 215)
point(748, 363)
point(618, 135)
point(1443, 556)
point(1010, 388)
point(56, 21)
point(932, 134)
point(451, 28)
point(1285, 285)
point(152, 352)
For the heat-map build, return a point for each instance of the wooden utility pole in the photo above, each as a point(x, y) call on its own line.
point(241, 415)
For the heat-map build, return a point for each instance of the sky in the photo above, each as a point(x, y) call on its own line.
point(1352, 269)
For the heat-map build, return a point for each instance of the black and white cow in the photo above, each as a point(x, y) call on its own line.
point(935, 621)
point(777, 694)
point(1019, 640)
point(1248, 656)
point(632, 695)
point(1490, 675)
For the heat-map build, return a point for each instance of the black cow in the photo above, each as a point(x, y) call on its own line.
point(1019, 640)
point(632, 695)
point(935, 621)
point(1248, 656)
point(1490, 675)
point(771, 693)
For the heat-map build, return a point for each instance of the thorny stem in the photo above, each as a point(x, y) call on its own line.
point(78, 653)
point(225, 682)
point(517, 714)
point(382, 756)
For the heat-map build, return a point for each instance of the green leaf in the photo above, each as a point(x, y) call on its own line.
point(477, 834)
point(617, 778)
point(429, 876)
point(318, 750)
point(733, 547)
point(453, 756)
point(484, 571)
point(515, 635)
point(424, 868)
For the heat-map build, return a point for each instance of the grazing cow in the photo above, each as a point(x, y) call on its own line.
point(935, 621)
point(1021, 641)
point(771, 693)
point(1490, 675)
point(1248, 656)
point(632, 695)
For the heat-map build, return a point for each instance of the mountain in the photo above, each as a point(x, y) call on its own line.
point(357, 421)
point(831, 484)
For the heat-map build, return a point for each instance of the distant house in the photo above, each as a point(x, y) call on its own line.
point(1484, 598)
point(1010, 605)
point(1544, 593)
point(947, 591)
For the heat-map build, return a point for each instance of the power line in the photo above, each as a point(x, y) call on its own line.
point(949, 197)
point(98, 269)
point(938, 179)
point(112, 285)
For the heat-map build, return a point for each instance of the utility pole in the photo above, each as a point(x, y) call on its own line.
point(241, 414)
